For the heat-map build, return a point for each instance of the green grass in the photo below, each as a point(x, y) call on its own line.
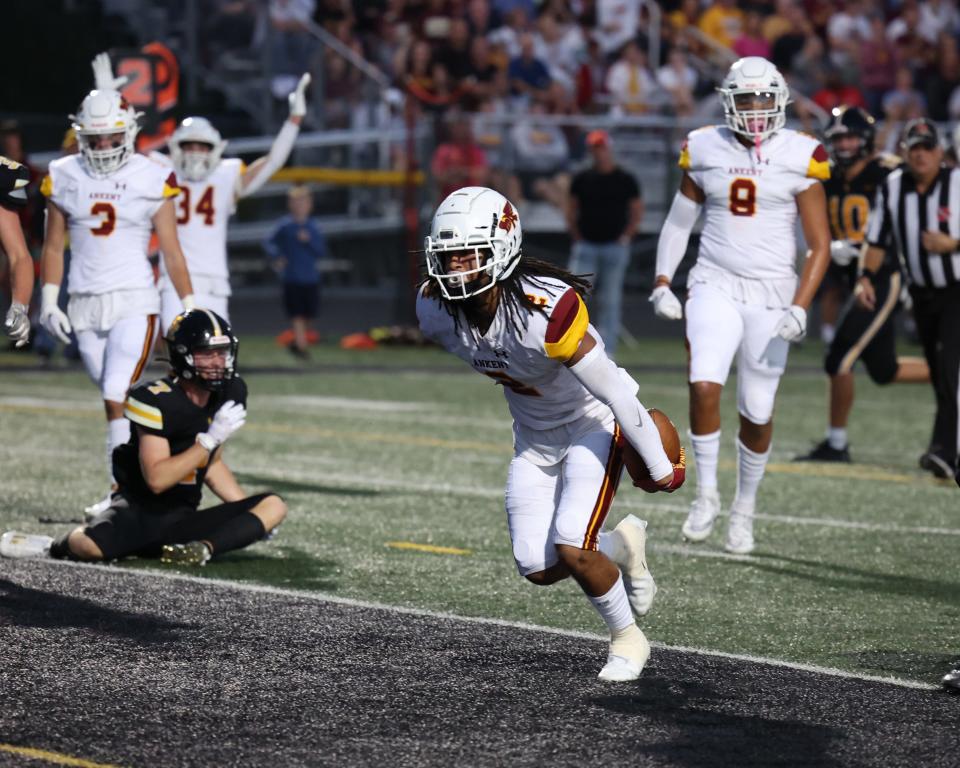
point(359, 473)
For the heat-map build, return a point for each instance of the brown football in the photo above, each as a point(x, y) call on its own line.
point(668, 437)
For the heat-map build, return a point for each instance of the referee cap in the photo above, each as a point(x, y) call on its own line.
point(920, 132)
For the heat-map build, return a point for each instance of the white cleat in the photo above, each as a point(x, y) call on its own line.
point(740, 533)
point(89, 513)
point(637, 579)
point(703, 513)
point(16, 544)
point(627, 657)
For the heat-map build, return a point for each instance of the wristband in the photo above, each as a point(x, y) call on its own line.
point(49, 295)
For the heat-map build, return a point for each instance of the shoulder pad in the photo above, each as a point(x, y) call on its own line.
point(143, 403)
point(818, 167)
point(566, 326)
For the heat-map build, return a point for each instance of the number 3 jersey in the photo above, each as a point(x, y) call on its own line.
point(162, 408)
point(749, 229)
point(109, 221)
point(528, 361)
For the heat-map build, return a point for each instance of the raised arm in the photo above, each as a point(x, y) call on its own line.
point(165, 225)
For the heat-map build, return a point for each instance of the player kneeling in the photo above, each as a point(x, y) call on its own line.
point(180, 425)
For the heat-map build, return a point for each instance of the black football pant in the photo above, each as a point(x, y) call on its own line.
point(937, 312)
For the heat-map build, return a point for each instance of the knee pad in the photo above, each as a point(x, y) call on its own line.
point(756, 406)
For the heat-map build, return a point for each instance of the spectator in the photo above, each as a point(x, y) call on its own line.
point(529, 77)
point(291, 46)
point(483, 72)
point(679, 80)
point(878, 64)
point(479, 17)
point(294, 247)
point(751, 41)
point(560, 47)
point(904, 102)
point(617, 22)
point(722, 22)
point(629, 83)
point(455, 54)
point(591, 77)
point(507, 36)
point(944, 78)
point(846, 31)
point(540, 151)
point(459, 161)
point(904, 33)
point(836, 92)
point(781, 22)
point(937, 17)
point(604, 210)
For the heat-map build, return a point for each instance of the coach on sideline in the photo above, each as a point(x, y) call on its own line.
point(920, 208)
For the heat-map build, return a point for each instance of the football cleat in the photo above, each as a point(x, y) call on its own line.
point(637, 579)
point(19, 545)
point(739, 533)
point(933, 462)
point(89, 513)
point(191, 553)
point(951, 680)
point(823, 451)
point(703, 513)
point(627, 657)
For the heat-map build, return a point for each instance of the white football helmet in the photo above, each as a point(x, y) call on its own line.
point(752, 80)
point(478, 219)
point(193, 165)
point(105, 113)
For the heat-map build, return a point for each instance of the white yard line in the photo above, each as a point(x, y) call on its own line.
point(322, 597)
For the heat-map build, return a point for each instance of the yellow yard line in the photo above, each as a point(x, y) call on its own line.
point(427, 548)
point(52, 757)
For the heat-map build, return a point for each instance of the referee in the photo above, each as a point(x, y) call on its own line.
point(919, 207)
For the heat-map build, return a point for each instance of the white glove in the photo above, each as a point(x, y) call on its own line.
point(227, 420)
point(793, 325)
point(51, 316)
point(103, 79)
point(665, 303)
point(298, 97)
point(17, 323)
point(843, 252)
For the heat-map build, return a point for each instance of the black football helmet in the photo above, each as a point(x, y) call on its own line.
point(850, 121)
point(202, 329)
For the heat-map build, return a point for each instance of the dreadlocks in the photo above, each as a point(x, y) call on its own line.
point(517, 304)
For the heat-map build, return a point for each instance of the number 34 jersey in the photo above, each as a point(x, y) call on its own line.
point(109, 221)
point(750, 208)
point(528, 361)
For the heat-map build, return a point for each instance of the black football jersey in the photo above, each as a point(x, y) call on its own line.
point(14, 178)
point(848, 202)
point(162, 408)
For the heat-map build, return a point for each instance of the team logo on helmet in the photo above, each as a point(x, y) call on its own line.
point(508, 218)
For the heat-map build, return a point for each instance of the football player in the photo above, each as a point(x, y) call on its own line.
point(523, 323)
point(209, 190)
point(176, 447)
point(14, 178)
point(108, 199)
point(752, 177)
point(867, 334)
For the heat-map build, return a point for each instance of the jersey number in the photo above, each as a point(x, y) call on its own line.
point(743, 197)
point(108, 216)
point(517, 386)
point(204, 206)
point(849, 220)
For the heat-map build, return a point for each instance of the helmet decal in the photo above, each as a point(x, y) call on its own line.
point(508, 218)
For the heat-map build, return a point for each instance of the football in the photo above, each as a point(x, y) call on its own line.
point(670, 439)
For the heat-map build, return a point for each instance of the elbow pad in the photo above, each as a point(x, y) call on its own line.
point(601, 378)
point(276, 158)
point(675, 234)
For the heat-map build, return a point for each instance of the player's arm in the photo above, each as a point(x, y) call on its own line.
point(672, 245)
point(161, 471)
point(261, 170)
point(221, 480)
point(165, 225)
point(51, 273)
point(17, 320)
point(812, 206)
point(878, 236)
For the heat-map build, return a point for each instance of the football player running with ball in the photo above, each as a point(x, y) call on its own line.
point(752, 177)
point(109, 199)
point(209, 190)
point(523, 323)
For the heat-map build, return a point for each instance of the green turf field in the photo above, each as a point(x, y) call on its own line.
point(855, 567)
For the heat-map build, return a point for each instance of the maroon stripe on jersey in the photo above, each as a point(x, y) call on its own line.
point(611, 479)
point(147, 349)
point(563, 315)
point(820, 154)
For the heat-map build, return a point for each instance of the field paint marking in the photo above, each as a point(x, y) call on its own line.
point(281, 473)
point(52, 757)
point(432, 548)
point(322, 597)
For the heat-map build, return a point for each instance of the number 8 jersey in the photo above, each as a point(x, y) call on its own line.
point(749, 228)
point(109, 221)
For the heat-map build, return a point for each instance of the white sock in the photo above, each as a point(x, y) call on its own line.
point(118, 432)
point(837, 437)
point(750, 468)
point(614, 607)
point(611, 544)
point(706, 456)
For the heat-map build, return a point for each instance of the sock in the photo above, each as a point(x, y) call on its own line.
point(706, 456)
point(243, 530)
point(60, 548)
point(118, 432)
point(837, 437)
point(750, 468)
point(611, 544)
point(614, 607)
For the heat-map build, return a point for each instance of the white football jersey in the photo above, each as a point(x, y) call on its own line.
point(203, 210)
point(529, 362)
point(109, 221)
point(750, 210)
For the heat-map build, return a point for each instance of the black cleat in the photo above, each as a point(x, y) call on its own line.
point(951, 680)
point(823, 451)
point(936, 464)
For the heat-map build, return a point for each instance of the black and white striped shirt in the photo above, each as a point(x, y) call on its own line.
point(905, 213)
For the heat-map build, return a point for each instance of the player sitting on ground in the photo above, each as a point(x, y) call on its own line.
point(176, 446)
point(523, 323)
